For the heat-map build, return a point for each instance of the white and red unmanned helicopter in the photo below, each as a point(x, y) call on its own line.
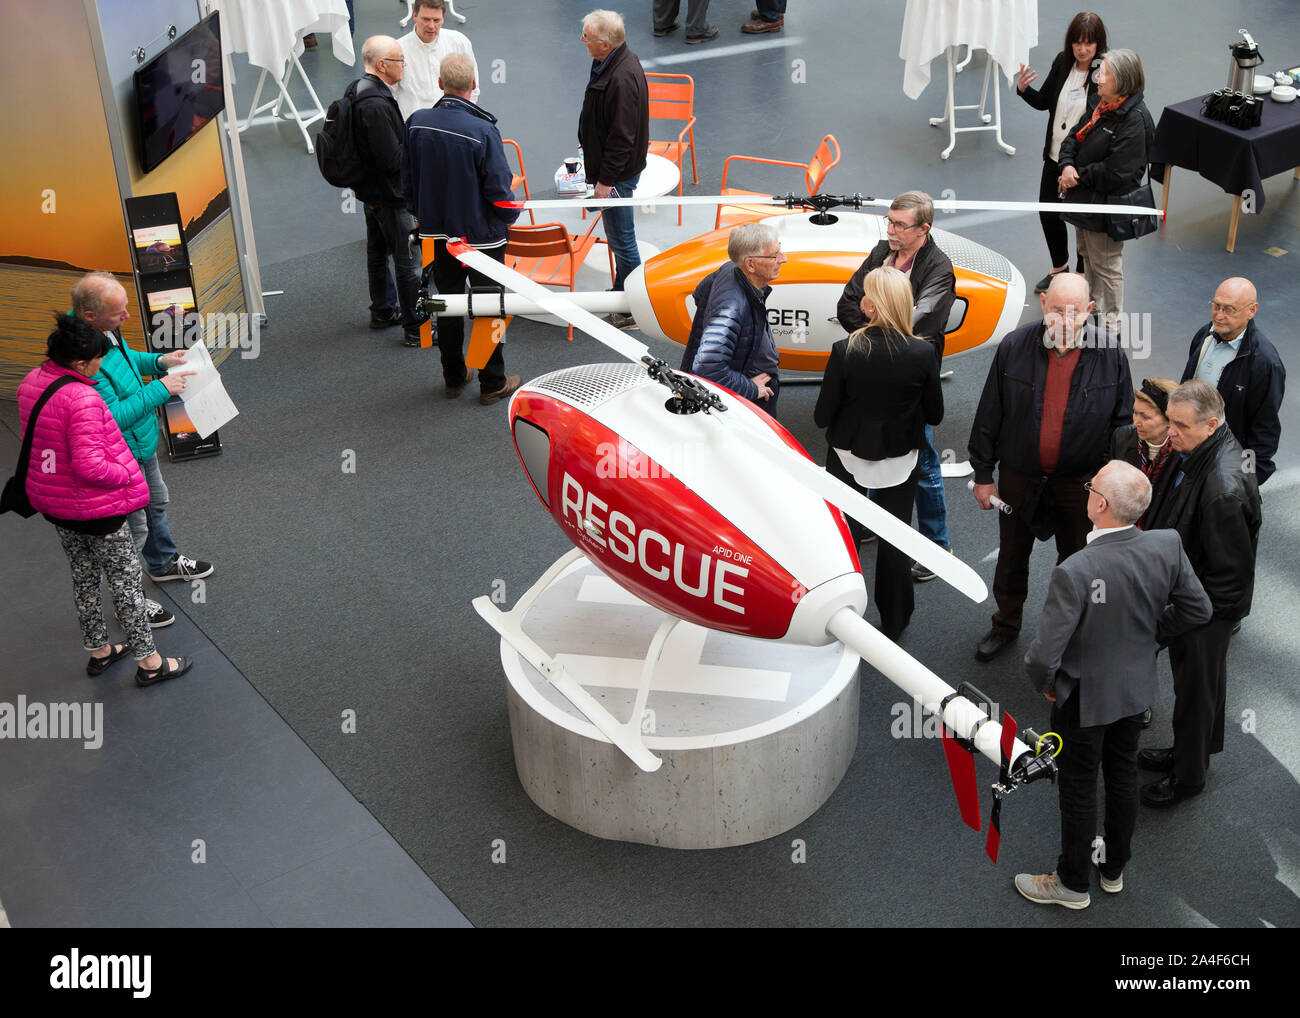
point(693, 520)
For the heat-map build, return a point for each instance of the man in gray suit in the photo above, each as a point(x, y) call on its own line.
point(1110, 606)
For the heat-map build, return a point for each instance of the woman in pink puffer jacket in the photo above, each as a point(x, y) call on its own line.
point(84, 479)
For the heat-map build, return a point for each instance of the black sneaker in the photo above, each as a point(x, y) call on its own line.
point(661, 32)
point(385, 319)
point(158, 616)
point(411, 339)
point(710, 33)
point(183, 568)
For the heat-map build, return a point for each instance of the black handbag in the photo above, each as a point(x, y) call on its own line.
point(1127, 225)
point(14, 498)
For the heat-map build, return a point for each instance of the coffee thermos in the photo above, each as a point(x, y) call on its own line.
point(1241, 69)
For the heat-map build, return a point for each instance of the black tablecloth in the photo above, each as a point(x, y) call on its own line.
point(1232, 158)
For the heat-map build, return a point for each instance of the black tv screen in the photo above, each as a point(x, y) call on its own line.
point(179, 91)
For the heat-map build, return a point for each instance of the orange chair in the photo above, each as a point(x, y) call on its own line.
point(549, 254)
point(815, 171)
point(672, 97)
point(520, 178)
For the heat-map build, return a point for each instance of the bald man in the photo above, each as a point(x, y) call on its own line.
point(380, 135)
point(98, 298)
point(1064, 368)
point(1232, 355)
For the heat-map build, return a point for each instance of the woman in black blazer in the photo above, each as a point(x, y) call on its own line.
point(880, 390)
point(1066, 92)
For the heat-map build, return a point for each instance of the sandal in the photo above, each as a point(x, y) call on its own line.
point(99, 665)
point(148, 676)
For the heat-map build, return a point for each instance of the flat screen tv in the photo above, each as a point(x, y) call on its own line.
point(179, 91)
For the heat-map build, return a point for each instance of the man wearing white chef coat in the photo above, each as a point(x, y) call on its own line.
point(425, 49)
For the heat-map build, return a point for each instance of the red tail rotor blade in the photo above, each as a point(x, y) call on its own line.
point(961, 768)
point(994, 842)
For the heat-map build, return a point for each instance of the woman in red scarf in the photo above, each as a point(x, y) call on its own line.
point(1145, 443)
point(1106, 153)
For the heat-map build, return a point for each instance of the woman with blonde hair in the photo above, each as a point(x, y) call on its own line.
point(880, 390)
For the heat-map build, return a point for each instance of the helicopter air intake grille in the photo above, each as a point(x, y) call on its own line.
point(966, 254)
point(589, 385)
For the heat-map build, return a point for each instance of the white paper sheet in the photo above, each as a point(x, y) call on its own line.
point(205, 398)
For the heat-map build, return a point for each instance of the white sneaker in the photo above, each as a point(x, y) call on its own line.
point(1047, 889)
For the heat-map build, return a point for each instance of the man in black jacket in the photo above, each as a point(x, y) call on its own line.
point(1055, 392)
point(377, 120)
point(910, 249)
point(1214, 505)
point(614, 132)
point(1234, 356)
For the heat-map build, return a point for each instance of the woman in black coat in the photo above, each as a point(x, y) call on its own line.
point(880, 390)
point(1146, 443)
point(1106, 156)
point(1065, 94)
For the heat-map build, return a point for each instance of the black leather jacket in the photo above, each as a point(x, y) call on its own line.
point(1111, 159)
point(934, 288)
point(1216, 511)
point(1010, 414)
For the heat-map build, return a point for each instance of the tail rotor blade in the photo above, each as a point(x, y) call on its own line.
point(961, 768)
point(995, 818)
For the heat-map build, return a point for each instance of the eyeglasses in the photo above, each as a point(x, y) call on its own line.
point(894, 224)
point(1087, 486)
point(1227, 309)
point(779, 255)
point(394, 60)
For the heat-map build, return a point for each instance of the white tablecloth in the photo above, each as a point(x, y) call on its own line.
point(1007, 29)
point(268, 30)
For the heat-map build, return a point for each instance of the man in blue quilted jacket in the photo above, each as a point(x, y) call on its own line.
point(731, 341)
point(100, 299)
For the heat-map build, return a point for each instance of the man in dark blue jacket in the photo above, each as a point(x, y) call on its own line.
point(731, 341)
point(456, 172)
point(1055, 391)
point(1232, 355)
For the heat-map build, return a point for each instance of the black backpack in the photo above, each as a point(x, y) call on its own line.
point(337, 154)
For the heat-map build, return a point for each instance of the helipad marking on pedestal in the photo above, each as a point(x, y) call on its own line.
point(681, 671)
point(603, 590)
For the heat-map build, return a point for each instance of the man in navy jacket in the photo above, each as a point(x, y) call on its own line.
point(1232, 355)
point(455, 173)
point(731, 341)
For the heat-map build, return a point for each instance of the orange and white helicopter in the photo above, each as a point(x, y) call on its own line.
point(822, 252)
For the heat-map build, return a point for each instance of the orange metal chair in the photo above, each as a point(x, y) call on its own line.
point(520, 178)
point(672, 97)
point(815, 170)
point(549, 254)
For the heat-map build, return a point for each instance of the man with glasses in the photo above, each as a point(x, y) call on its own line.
point(731, 341)
point(1213, 503)
point(1109, 607)
point(1232, 355)
point(909, 248)
point(380, 133)
point(1045, 375)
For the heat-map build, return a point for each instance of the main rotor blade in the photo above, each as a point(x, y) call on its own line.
point(884, 525)
point(618, 203)
point(549, 301)
point(952, 205)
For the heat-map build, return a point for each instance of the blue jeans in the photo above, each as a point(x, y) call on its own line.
point(149, 530)
point(388, 233)
point(931, 508)
point(620, 231)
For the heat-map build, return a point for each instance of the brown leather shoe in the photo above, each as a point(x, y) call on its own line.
point(453, 391)
point(513, 382)
point(757, 26)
